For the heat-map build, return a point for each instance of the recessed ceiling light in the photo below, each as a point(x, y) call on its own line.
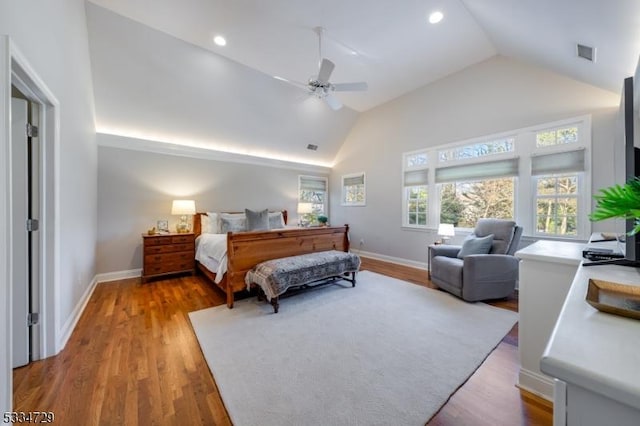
point(219, 40)
point(435, 17)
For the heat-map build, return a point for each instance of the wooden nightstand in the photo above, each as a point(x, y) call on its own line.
point(168, 254)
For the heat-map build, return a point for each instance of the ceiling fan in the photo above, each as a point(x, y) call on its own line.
point(320, 86)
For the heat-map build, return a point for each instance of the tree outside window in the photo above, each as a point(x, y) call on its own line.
point(417, 205)
point(313, 190)
point(557, 205)
point(463, 203)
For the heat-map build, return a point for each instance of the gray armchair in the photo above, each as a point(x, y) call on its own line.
point(479, 276)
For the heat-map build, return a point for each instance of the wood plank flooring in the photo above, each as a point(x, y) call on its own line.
point(133, 359)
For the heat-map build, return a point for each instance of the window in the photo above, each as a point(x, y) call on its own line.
point(415, 194)
point(313, 190)
point(557, 179)
point(353, 190)
point(537, 175)
point(463, 203)
point(557, 205)
point(473, 191)
point(557, 136)
point(498, 146)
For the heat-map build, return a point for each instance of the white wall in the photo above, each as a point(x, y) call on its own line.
point(135, 190)
point(52, 36)
point(150, 85)
point(494, 96)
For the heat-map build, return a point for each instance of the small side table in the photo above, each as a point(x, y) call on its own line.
point(165, 254)
point(429, 249)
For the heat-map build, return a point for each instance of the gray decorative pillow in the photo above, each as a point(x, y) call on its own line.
point(257, 221)
point(276, 220)
point(475, 245)
point(233, 224)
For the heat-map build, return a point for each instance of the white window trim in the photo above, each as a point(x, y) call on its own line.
point(524, 149)
point(326, 185)
point(346, 203)
point(430, 166)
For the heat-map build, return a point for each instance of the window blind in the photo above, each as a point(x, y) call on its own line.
point(353, 180)
point(310, 183)
point(416, 177)
point(477, 171)
point(559, 162)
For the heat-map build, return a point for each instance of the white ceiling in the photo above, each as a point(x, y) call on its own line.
point(398, 51)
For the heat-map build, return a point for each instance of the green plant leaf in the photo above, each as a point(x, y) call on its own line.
point(619, 201)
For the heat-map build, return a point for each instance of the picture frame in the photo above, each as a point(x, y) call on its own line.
point(163, 226)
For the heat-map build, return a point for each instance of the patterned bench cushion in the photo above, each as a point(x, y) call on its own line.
point(277, 275)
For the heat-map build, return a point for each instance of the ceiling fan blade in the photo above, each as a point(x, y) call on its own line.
point(333, 102)
point(326, 68)
point(347, 87)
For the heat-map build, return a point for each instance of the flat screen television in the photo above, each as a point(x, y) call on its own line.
point(632, 163)
point(630, 124)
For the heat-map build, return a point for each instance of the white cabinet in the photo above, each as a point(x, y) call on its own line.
point(547, 269)
point(597, 356)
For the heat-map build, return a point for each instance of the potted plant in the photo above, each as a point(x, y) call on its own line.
point(322, 219)
point(619, 201)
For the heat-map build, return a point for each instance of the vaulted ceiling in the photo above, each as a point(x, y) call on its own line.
point(141, 73)
point(396, 49)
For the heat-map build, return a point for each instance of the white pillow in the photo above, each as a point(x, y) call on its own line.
point(204, 224)
point(210, 223)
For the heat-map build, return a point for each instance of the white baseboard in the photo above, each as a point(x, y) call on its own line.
point(118, 275)
point(536, 384)
point(391, 259)
point(70, 324)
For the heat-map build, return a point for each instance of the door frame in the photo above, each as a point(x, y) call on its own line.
point(16, 70)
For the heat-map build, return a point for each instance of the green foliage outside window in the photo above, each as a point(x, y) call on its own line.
point(557, 205)
point(417, 205)
point(463, 203)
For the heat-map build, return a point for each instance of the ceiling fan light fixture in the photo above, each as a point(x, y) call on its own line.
point(435, 17)
point(220, 40)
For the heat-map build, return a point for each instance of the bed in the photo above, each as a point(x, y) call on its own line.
point(226, 257)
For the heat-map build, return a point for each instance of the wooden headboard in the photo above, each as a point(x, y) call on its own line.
point(197, 220)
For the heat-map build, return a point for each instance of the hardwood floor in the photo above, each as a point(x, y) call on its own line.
point(133, 359)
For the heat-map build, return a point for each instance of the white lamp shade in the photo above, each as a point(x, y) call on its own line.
point(446, 230)
point(183, 207)
point(304, 208)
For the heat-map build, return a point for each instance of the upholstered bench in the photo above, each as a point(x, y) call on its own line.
point(275, 277)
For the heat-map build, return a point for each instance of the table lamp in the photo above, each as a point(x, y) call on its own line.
point(446, 230)
point(304, 209)
point(183, 208)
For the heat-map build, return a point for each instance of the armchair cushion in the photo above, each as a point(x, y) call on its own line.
point(502, 230)
point(475, 245)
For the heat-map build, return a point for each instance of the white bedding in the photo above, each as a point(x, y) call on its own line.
point(211, 251)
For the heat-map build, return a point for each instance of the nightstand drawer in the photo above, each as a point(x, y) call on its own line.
point(158, 240)
point(167, 248)
point(180, 239)
point(161, 268)
point(169, 257)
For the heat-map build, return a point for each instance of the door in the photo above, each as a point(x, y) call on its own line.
point(25, 211)
point(19, 213)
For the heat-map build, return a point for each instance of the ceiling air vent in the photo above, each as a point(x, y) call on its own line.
point(586, 52)
point(312, 147)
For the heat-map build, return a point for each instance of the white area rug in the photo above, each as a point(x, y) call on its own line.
point(386, 352)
